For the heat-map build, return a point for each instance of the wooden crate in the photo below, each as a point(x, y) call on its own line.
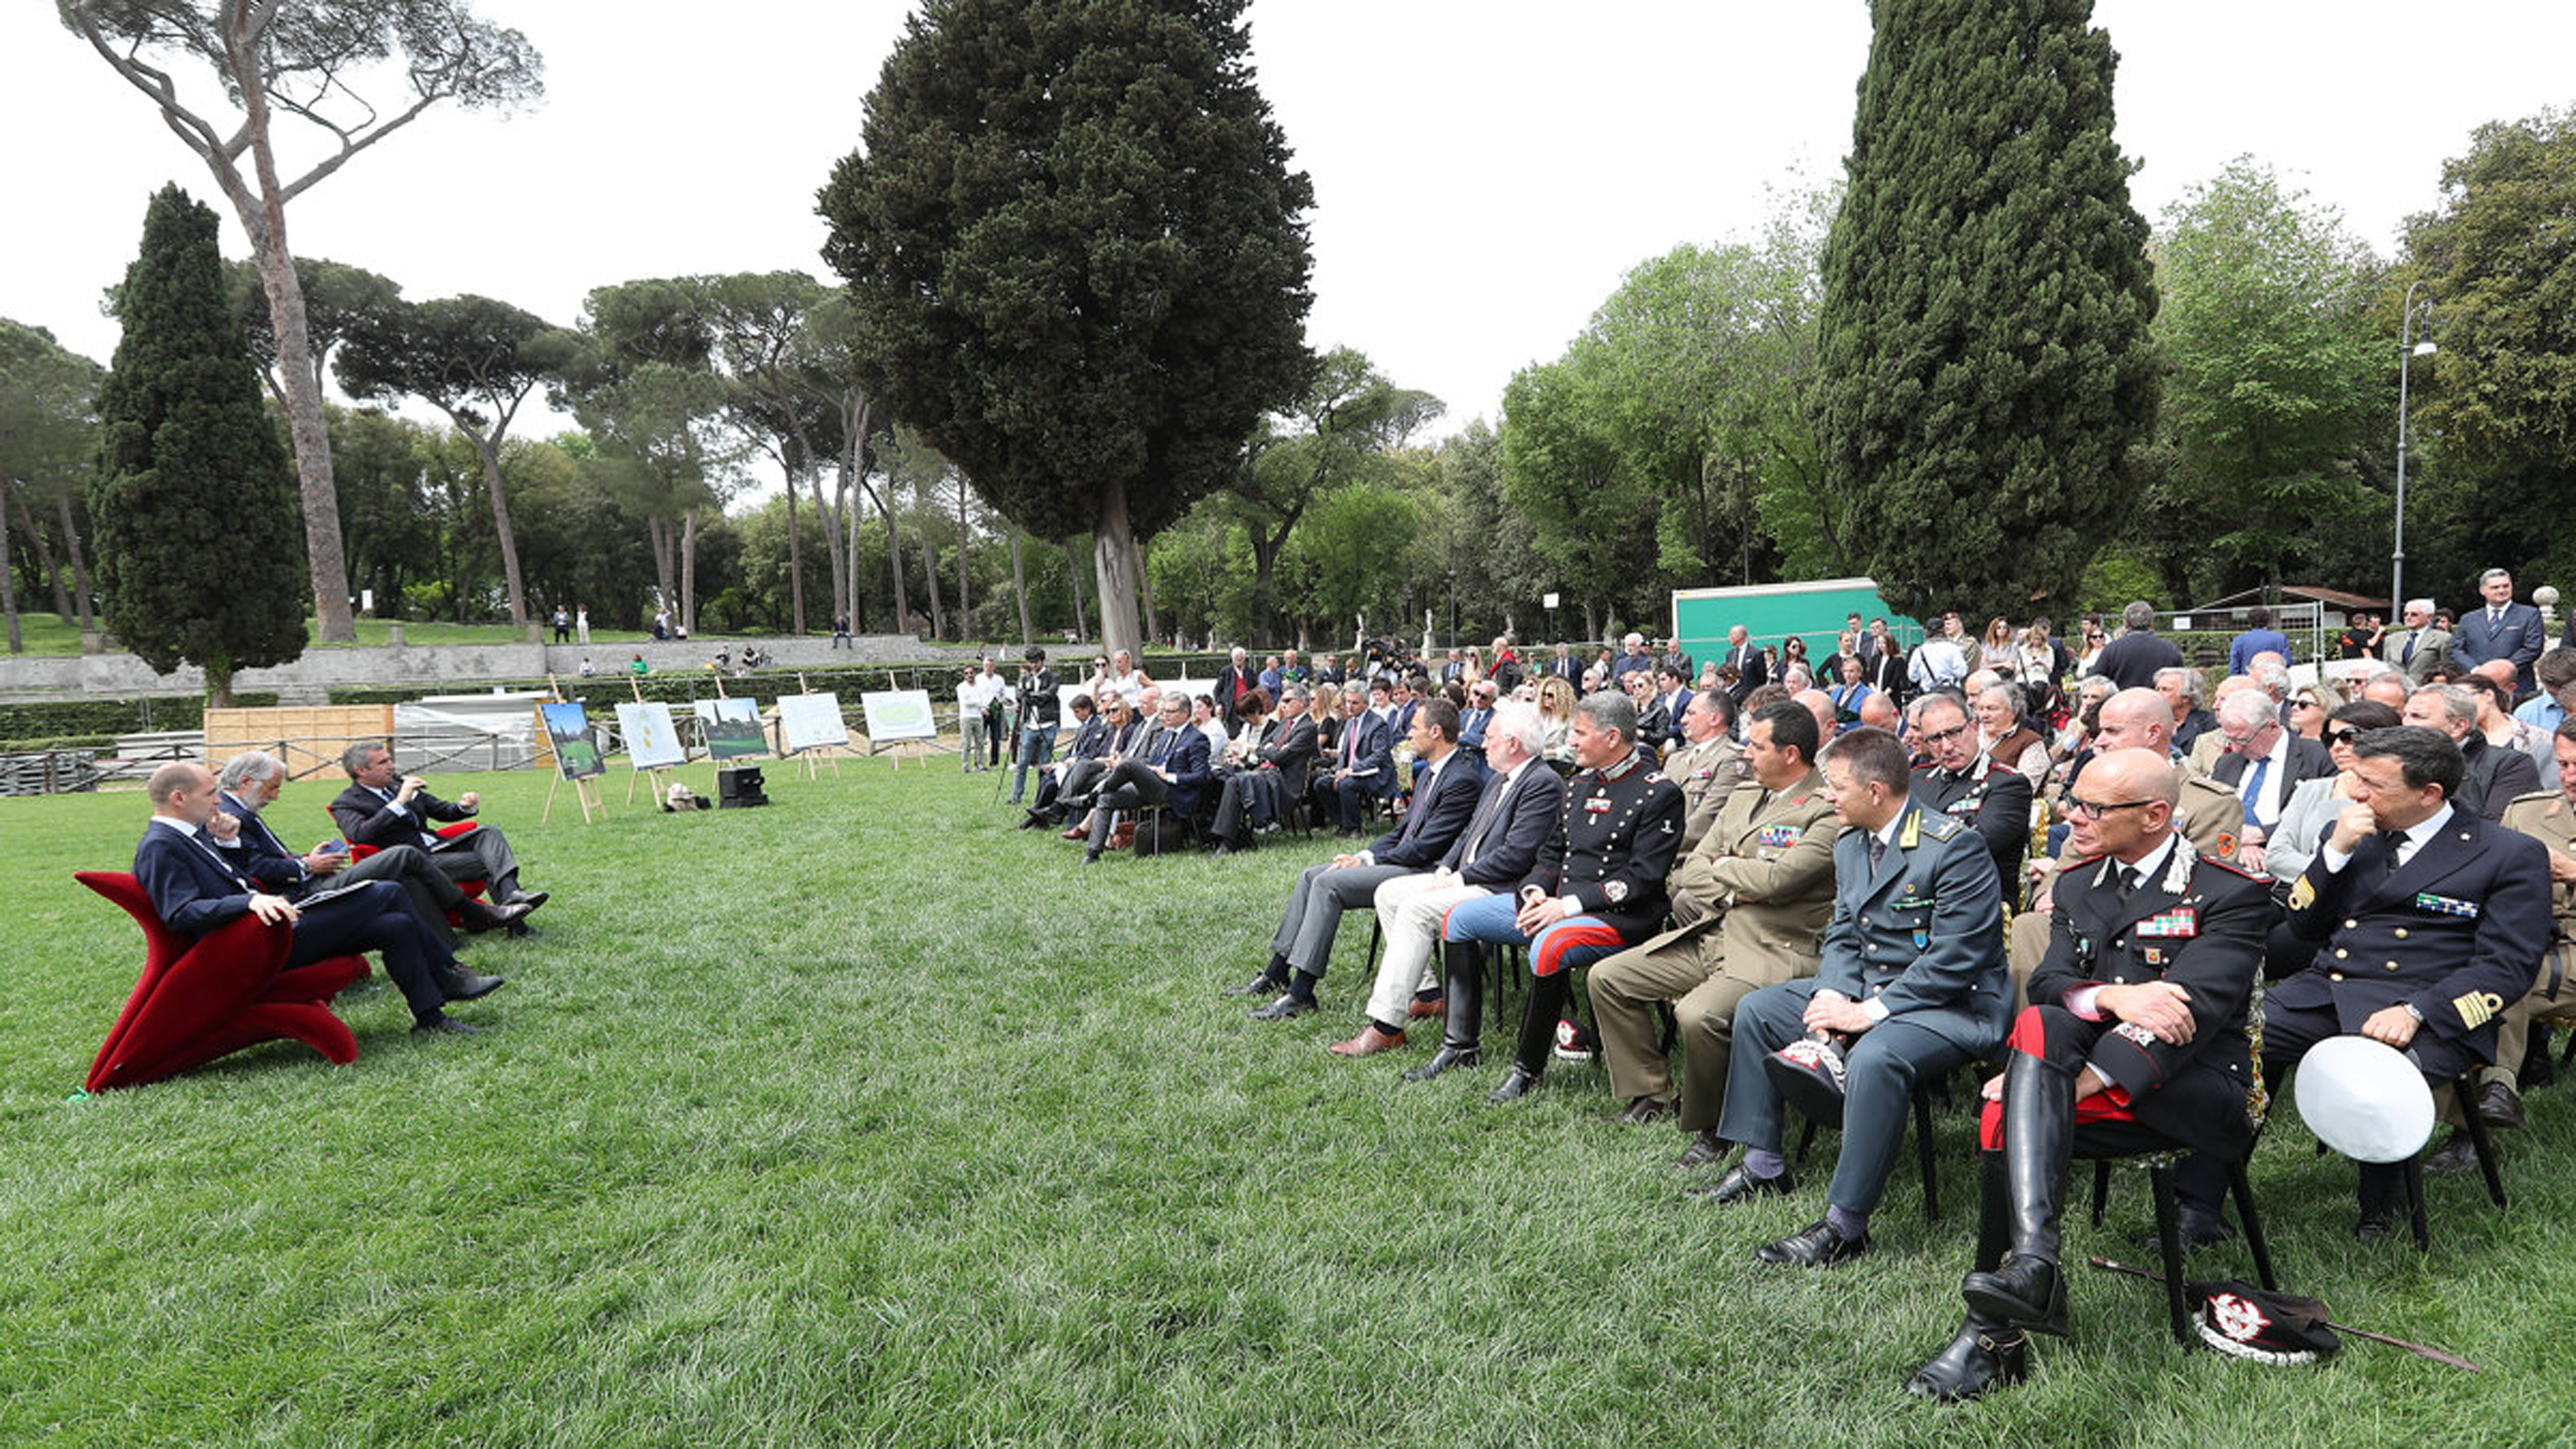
point(309, 738)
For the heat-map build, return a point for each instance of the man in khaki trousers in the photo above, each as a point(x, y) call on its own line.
point(1752, 898)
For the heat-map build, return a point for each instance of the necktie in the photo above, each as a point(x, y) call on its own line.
point(1421, 797)
point(2411, 636)
point(2129, 879)
point(2254, 789)
point(1877, 851)
point(2390, 841)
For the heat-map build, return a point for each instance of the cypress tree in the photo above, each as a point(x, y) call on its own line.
point(200, 554)
point(1987, 374)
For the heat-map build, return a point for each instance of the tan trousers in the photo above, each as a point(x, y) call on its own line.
point(1627, 987)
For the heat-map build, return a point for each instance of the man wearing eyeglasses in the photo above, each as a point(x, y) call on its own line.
point(2419, 646)
point(2262, 763)
point(1959, 779)
point(2135, 1039)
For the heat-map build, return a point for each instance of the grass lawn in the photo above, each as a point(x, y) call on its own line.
point(865, 1119)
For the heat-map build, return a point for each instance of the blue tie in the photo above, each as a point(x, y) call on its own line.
point(2254, 789)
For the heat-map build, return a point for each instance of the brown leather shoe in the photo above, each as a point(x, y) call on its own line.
point(1433, 1009)
point(1646, 1109)
point(1706, 1150)
point(1371, 1040)
point(1076, 833)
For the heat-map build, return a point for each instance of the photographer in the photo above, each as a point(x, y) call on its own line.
point(1039, 716)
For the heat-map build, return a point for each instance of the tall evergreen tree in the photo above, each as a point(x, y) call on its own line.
point(1987, 376)
point(200, 555)
point(1076, 250)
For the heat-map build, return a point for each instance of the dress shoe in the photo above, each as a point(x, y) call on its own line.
point(1645, 1110)
point(1035, 821)
point(493, 918)
point(521, 930)
point(2499, 1105)
point(1075, 833)
point(1516, 1085)
point(2024, 1290)
point(531, 899)
point(1984, 1356)
point(1444, 1059)
point(1816, 1245)
point(2198, 1228)
point(459, 986)
point(1368, 1043)
point(1264, 984)
point(2458, 1153)
point(1706, 1149)
point(1284, 1009)
point(2377, 1222)
point(445, 1025)
point(1091, 857)
point(1222, 851)
point(1738, 1184)
point(1427, 1008)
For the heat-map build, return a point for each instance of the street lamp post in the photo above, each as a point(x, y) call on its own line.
point(2408, 349)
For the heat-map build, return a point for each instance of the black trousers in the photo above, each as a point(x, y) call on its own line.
point(376, 916)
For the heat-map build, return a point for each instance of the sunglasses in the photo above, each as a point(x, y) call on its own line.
point(2342, 736)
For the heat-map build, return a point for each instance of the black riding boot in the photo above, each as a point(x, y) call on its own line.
point(1538, 1034)
point(1986, 1353)
point(2028, 1288)
point(1462, 966)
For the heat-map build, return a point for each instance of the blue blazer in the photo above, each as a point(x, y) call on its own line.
point(2520, 639)
point(1187, 759)
point(1373, 767)
point(1924, 933)
point(261, 855)
point(1424, 834)
point(191, 890)
point(1514, 825)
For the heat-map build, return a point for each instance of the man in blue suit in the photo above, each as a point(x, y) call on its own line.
point(1911, 985)
point(1446, 785)
point(2501, 629)
point(1362, 764)
point(1171, 769)
point(181, 865)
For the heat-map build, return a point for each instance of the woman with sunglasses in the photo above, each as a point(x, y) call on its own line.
point(2309, 706)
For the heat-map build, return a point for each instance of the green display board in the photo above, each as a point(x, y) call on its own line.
point(1772, 612)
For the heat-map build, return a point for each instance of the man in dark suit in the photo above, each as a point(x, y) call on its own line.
point(1362, 765)
point(1632, 658)
point(2429, 924)
point(2500, 629)
point(1673, 687)
point(1269, 784)
point(250, 782)
point(1516, 809)
point(2263, 762)
point(181, 865)
point(2131, 661)
point(1752, 667)
point(1960, 780)
point(1597, 886)
point(2490, 778)
point(1447, 782)
point(1090, 742)
point(2135, 1040)
point(1911, 986)
point(1171, 769)
point(383, 806)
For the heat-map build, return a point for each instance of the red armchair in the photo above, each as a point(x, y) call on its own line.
point(202, 999)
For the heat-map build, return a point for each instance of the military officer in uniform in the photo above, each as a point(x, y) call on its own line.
point(2548, 816)
point(1709, 764)
point(1911, 985)
point(2208, 816)
point(1961, 780)
point(1597, 885)
point(2135, 1040)
point(2430, 923)
point(1752, 897)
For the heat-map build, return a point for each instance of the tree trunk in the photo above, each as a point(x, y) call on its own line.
point(44, 551)
point(9, 585)
point(80, 562)
point(830, 513)
point(658, 529)
point(795, 566)
point(930, 575)
point(1145, 589)
point(965, 606)
point(1073, 575)
point(1113, 553)
point(689, 573)
point(1020, 588)
point(219, 680)
point(489, 450)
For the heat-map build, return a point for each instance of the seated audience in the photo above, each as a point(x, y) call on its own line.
point(383, 806)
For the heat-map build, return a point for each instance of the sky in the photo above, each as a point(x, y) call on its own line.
point(1485, 170)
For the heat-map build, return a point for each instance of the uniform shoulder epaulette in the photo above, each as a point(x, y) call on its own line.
point(2531, 796)
point(2078, 862)
point(2232, 868)
point(1941, 827)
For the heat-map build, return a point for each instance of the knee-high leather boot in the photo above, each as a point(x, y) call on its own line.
point(1538, 1033)
point(1986, 1353)
point(1462, 967)
point(2028, 1288)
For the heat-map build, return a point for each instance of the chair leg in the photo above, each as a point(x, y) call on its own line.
point(2414, 1173)
point(1806, 1139)
point(2101, 1188)
point(1377, 940)
point(1923, 1153)
point(2169, 1242)
point(2479, 1138)
point(2242, 1186)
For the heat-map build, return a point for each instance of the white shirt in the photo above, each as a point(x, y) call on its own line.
point(2416, 834)
point(2275, 794)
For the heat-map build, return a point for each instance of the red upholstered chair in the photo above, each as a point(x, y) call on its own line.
point(473, 888)
point(202, 999)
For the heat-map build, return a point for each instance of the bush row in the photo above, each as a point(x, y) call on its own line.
point(21, 725)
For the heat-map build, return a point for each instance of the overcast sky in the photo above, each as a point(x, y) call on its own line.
point(1484, 171)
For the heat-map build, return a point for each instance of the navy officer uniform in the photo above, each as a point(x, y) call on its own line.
point(1916, 939)
point(1607, 859)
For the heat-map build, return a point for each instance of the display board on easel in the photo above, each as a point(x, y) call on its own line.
point(810, 723)
point(732, 727)
point(652, 745)
point(577, 759)
point(900, 719)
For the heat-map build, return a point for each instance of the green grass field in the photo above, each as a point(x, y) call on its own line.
point(864, 1119)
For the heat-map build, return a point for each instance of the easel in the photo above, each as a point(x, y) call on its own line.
point(661, 774)
point(580, 788)
point(813, 768)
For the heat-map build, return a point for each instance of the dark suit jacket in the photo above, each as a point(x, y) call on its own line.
point(2519, 639)
point(2307, 760)
point(261, 855)
point(1291, 750)
point(1372, 760)
point(1993, 800)
point(1186, 756)
point(2492, 777)
point(1090, 739)
point(1513, 825)
point(1229, 680)
point(1433, 823)
point(191, 890)
point(367, 818)
point(2207, 937)
point(2389, 938)
point(1752, 669)
point(1924, 933)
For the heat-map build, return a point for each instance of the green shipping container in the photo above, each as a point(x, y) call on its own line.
point(1772, 612)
